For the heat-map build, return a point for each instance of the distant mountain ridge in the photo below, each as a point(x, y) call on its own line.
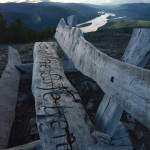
point(39, 15)
point(135, 11)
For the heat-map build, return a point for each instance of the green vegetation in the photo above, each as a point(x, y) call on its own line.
point(135, 11)
point(17, 32)
point(125, 26)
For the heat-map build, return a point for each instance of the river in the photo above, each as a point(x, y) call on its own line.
point(95, 23)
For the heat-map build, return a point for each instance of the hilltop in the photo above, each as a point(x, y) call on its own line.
point(39, 15)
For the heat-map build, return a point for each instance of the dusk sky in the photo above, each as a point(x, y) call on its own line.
point(85, 1)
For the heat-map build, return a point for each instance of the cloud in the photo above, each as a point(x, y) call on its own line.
point(116, 1)
point(129, 1)
point(85, 1)
point(103, 1)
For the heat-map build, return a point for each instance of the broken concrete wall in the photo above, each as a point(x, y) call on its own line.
point(109, 112)
point(128, 84)
point(72, 21)
point(8, 95)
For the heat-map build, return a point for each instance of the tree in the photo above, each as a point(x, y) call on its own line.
point(47, 32)
point(128, 30)
point(2, 28)
point(17, 32)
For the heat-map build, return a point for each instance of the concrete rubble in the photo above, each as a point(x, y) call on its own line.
point(61, 119)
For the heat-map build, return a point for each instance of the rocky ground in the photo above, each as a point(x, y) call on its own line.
point(112, 44)
point(24, 128)
point(26, 49)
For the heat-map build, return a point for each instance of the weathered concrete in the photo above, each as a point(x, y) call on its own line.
point(61, 119)
point(8, 95)
point(136, 53)
point(108, 115)
point(128, 84)
point(138, 49)
point(72, 21)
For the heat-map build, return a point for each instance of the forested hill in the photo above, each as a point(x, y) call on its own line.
point(135, 11)
point(39, 15)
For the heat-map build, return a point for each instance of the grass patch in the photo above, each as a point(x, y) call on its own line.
point(3, 50)
point(124, 25)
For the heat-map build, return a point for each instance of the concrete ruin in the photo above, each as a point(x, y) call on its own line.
point(57, 104)
point(111, 74)
point(8, 95)
point(62, 121)
point(72, 21)
point(133, 82)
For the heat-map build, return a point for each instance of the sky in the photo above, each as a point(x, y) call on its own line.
point(84, 1)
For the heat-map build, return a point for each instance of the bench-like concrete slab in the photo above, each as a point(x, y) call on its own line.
point(8, 95)
point(61, 119)
point(128, 84)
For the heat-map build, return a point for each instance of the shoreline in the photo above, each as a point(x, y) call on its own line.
point(95, 23)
